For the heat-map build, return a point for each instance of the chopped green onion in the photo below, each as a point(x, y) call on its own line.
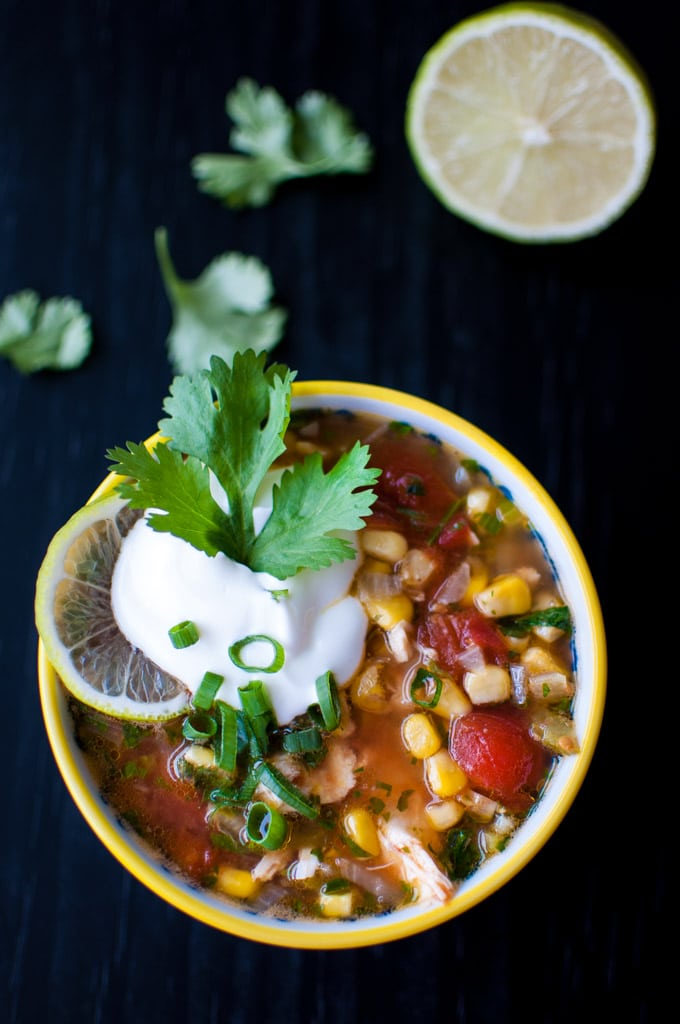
point(207, 688)
point(489, 522)
point(509, 511)
point(303, 741)
point(471, 465)
point(255, 699)
point(335, 885)
point(258, 711)
point(199, 726)
point(227, 747)
point(229, 795)
point(184, 634)
point(426, 688)
point(279, 785)
point(256, 734)
point(329, 700)
point(266, 826)
point(251, 781)
point(275, 664)
point(239, 796)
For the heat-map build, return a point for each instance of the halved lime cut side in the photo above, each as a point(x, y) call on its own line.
point(533, 122)
point(77, 626)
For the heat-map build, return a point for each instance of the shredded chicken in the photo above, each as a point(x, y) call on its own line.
point(334, 777)
point(417, 867)
point(273, 862)
point(305, 865)
point(331, 780)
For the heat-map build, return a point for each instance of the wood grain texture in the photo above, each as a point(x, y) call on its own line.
point(559, 352)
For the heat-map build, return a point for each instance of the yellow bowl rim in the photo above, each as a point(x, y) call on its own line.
point(390, 927)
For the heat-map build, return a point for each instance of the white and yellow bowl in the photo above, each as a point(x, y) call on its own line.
point(589, 645)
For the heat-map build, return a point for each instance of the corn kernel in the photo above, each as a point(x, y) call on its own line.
point(236, 882)
point(360, 828)
point(384, 544)
point(479, 578)
point(420, 735)
point(453, 701)
point(444, 777)
point(508, 594)
point(368, 690)
point(478, 501)
point(375, 565)
point(336, 904)
point(386, 612)
point(199, 756)
point(488, 685)
point(536, 660)
point(444, 814)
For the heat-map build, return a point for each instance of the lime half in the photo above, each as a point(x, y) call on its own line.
point(533, 122)
point(77, 625)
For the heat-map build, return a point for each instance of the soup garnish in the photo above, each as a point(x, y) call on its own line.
point(360, 720)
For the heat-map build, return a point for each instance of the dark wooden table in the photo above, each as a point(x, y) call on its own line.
point(561, 352)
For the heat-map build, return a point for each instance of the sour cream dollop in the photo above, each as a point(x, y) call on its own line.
point(160, 580)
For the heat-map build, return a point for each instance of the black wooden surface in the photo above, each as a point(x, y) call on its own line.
point(562, 353)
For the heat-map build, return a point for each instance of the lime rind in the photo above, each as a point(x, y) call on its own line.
point(77, 626)
point(566, 23)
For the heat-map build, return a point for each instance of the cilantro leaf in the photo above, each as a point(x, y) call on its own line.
point(558, 616)
point(229, 421)
point(317, 137)
point(308, 505)
point(226, 309)
point(233, 419)
point(53, 335)
point(193, 513)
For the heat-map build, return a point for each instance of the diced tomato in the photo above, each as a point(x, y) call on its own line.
point(410, 483)
point(449, 633)
point(457, 535)
point(499, 757)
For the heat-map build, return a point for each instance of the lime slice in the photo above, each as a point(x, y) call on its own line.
point(77, 626)
point(532, 122)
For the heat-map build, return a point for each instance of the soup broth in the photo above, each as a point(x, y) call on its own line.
point(426, 762)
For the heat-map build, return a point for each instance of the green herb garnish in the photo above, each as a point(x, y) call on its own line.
point(461, 855)
point(230, 420)
point(521, 625)
point(402, 802)
point(52, 335)
point(226, 309)
point(278, 144)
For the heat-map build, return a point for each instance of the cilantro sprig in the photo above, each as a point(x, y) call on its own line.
point(51, 335)
point(226, 309)
point(279, 143)
point(230, 421)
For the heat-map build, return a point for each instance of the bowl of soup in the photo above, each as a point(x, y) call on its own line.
point(354, 753)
